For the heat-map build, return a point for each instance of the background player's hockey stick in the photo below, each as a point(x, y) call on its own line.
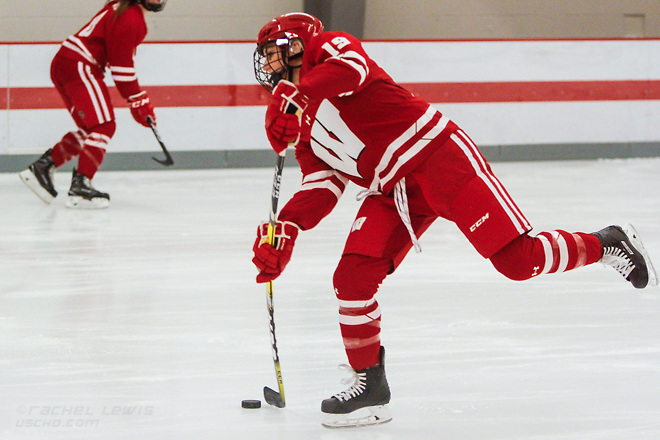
point(168, 159)
point(273, 397)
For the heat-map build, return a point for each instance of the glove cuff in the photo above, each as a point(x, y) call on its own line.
point(137, 96)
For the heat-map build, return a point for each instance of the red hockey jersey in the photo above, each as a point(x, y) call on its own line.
point(109, 41)
point(360, 126)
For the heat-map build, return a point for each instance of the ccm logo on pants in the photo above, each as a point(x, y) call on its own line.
point(479, 222)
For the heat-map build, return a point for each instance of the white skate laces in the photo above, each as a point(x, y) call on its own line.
point(618, 259)
point(358, 382)
point(623, 250)
point(364, 402)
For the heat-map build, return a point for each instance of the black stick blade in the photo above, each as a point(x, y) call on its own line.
point(168, 162)
point(273, 398)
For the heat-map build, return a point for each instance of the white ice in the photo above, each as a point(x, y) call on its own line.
point(143, 321)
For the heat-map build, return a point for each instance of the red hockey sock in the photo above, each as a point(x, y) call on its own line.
point(90, 160)
point(548, 252)
point(356, 281)
point(94, 149)
point(69, 147)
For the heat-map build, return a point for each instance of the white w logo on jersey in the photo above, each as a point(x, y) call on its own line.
point(333, 142)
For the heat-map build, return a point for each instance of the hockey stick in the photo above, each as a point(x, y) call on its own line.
point(273, 397)
point(168, 162)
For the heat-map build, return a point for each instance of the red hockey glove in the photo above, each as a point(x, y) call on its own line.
point(141, 108)
point(271, 260)
point(283, 116)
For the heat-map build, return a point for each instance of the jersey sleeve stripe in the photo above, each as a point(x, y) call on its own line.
point(320, 175)
point(326, 184)
point(122, 70)
point(124, 78)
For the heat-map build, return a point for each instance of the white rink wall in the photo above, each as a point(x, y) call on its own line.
point(504, 122)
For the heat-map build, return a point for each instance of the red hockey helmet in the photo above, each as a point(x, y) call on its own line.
point(281, 31)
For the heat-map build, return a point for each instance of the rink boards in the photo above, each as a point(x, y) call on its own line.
point(502, 93)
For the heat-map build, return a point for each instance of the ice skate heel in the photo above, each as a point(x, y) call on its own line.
point(623, 250)
point(83, 196)
point(364, 403)
point(39, 177)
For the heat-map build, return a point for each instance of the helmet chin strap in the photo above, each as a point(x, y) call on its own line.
point(291, 72)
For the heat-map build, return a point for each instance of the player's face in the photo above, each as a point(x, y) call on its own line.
point(273, 61)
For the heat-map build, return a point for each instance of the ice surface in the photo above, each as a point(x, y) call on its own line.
point(143, 321)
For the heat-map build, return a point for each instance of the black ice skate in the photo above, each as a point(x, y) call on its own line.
point(39, 177)
point(83, 196)
point(624, 251)
point(364, 403)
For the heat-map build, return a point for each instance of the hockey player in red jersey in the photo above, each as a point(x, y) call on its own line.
point(109, 40)
point(415, 165)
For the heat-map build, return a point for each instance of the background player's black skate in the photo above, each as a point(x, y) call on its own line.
point(83, 195)
point(364, 403)
point(39, 177)
point(624, 251)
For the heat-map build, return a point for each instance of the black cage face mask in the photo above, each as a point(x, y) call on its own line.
point(270, 79)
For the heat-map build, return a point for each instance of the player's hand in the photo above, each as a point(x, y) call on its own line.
point(271, 260)
point(283, 116)
point(141, 108)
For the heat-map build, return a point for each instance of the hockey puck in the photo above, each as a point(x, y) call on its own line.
point(251, 404)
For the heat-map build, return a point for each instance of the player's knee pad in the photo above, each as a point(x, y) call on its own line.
point(357, 277)
point(99, 138)
point(73, 141)
point(106, 129)
point(521, 259)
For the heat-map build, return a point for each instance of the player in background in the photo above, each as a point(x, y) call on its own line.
point(415, 165)
point(110, 39)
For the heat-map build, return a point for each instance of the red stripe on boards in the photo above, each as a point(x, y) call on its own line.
point(30, 98)
point(538, 91)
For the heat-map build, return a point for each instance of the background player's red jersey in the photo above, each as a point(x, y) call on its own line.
point(109, 41)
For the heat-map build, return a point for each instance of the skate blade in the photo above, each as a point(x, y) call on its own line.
point(31, 182)
point(637, 242)
point(368, 416)
point(77, 202)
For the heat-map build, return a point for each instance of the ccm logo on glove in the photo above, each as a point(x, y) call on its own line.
point(141, 108)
